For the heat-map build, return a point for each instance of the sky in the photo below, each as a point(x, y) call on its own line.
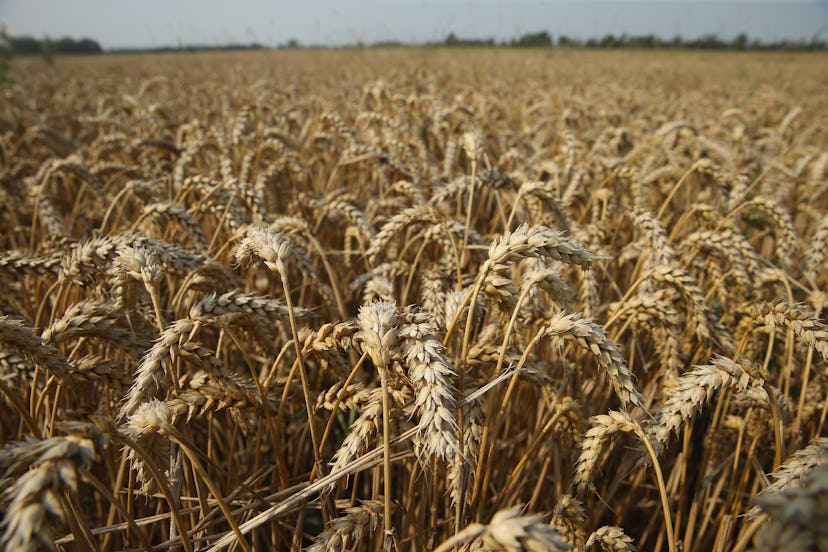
point(158, 23)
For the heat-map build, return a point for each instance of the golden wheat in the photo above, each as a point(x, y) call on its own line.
point(419, 300)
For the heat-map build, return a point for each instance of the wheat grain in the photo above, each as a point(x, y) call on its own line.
point(591, 337)
point(692, 391)
point(433, 380)
point(796, 317)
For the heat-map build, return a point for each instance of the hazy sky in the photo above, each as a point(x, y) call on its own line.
point(153, 23)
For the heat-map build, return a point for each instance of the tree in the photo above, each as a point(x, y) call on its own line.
point(25, 46)
point(535, 40)
point(740, 42)
point(567, 42)
point(88, 46)
point(609, 41)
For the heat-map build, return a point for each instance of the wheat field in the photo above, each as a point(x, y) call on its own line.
point(415, 300)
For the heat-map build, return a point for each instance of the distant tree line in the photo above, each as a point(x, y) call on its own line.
point(28, 46)
point(706, 42)
point(533, 40)
point(232, 47)
point(452, 40)
point(543, 39)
